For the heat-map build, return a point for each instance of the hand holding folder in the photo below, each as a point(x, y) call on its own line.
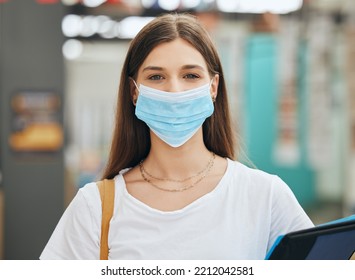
point(331, 241)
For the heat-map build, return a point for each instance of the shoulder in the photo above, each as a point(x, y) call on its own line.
point(89, 192)
point(253, 177)
point(275, 196)
point(86, 202)
point(258, 183)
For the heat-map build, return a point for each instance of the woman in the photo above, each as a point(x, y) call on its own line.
point(179, 192)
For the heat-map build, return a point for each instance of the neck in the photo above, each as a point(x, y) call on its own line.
point(181, 162)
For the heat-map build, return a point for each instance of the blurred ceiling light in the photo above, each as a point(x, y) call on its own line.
point(259, 6)
point(93, 3)
point(104, 26)
point(89, 26)
point(147, 4)
point(228, 6)
point(190, 4)
point(72, 49)
point(101, 18)
point(130, 26)
point(108, 29)
point(71, 25)
point(169, 5)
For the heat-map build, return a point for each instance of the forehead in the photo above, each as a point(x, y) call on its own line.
point(174, 54)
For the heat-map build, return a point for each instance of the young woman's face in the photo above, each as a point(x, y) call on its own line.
point(174, 67)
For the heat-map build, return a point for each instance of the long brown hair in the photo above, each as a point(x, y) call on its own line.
point(131, 138)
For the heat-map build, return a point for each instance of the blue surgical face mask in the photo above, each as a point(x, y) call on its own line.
point(174, 116)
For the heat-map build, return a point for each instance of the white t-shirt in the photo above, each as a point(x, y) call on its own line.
point(239, 219)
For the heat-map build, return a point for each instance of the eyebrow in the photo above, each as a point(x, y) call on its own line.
point(193, 66)
point(152, 68)
point(184, 67)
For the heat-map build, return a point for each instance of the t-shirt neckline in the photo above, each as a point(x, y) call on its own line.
point(196, 203)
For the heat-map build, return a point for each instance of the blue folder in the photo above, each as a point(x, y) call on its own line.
point(331, 241)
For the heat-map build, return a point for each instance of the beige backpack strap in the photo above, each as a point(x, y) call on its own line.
point(107, 194)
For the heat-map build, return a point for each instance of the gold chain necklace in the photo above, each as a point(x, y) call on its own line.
point(175, 180)
point(205, 171)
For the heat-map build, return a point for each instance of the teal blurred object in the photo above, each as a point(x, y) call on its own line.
point(261, 93)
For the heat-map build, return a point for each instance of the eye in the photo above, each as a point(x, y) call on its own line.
point(155, 77)
point(191, 76)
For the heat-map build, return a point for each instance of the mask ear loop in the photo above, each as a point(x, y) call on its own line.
point(135, 84)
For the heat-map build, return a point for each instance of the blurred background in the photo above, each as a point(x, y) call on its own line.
point(289, 67)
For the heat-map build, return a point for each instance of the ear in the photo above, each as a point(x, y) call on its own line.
point(214, 86)
point(133, 91)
